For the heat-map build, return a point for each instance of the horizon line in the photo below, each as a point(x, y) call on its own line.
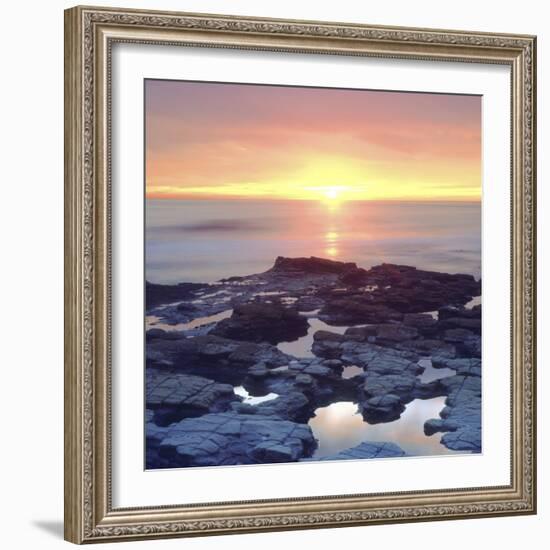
point(292, 199)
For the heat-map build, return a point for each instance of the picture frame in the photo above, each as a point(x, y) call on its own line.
point(90, 36)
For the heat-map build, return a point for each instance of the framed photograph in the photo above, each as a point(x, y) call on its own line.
point(300, 274)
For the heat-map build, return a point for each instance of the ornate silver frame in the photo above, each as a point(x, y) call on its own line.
point(89, 35)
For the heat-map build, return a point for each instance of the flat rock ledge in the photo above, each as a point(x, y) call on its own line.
point(173, 396)
point(461, 418)
point(369, 449)
point(262, 322)
point(228, 439)
point(222, 359)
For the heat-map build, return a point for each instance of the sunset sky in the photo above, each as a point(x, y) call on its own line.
point(207, 140)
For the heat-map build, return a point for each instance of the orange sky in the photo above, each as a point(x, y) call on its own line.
point(209, 140)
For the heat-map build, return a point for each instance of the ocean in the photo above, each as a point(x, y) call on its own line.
point(207, 240)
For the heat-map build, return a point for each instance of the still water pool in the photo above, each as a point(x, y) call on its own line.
point(340, 426)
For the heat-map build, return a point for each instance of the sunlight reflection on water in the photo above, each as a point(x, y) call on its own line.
point(436, 236)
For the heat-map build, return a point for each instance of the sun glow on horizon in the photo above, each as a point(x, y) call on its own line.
point(332, 193)
point(231, 141)
point(331, 180)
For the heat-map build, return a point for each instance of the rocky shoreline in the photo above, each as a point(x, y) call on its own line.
point(391, 323)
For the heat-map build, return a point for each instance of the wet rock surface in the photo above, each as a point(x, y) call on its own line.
point(163, 294)
point(172, 396)
point(461, 417)
point(224, 359)
point(369, 450)
point(262, 322)
point(205, 340)
point(313, 265)
point(229, 438)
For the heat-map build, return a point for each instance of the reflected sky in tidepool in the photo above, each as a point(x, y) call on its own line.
point(430, 373)
point(475, 301)
point(152, 321)
point(253, 400)
point(351, 371)
point(302, 346)
point(340, 426)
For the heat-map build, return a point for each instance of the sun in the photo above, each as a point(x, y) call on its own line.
point(332, 193)
point(331, 196)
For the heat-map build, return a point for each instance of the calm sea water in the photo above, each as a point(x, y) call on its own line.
point(206, 240)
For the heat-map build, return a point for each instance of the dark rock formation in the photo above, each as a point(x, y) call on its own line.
point(156, 295)
point(461, 417)
point(194, 417)
point(466, 366)
point(320, 381)
point(293, 406)
point(369, 449)
point(382, 408)
point(428, 347)
point(218, 358)
point(386, 292)
point(262, 322)
point(311, 265)
point(357, 309)
point(172, 396)
point(383, 334)
point(229, 438)
point(158, 333)
point(450, 312)
point(412, 290)
point(423, 322)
